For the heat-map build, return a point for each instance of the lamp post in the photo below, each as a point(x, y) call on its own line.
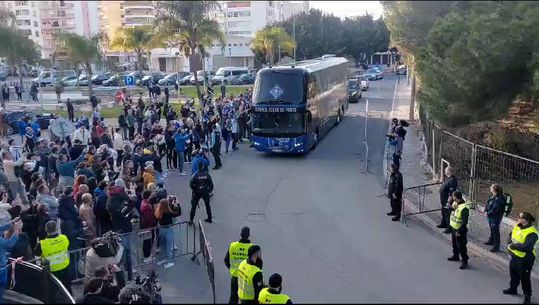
point(229, 56)
point(177, 73)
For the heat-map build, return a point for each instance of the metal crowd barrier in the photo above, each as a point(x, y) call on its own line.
point(208, 259)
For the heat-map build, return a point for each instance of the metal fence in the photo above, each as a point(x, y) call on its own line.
point(205, 249)
point(482, 166)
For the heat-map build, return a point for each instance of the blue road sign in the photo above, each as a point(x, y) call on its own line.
point(129, 80)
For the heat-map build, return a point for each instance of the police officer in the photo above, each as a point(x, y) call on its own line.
point(237, 252)
point(394, 192)
point(54, 250)
point(447, 188)
point(201, 185)
point(273, 295)
point(250, 276)
point(459, 229)
point(522, 250)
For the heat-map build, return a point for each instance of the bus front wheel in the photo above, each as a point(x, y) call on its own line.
point(315, 139)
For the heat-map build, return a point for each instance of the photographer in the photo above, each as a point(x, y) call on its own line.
point(166, 211)
point(92, 293)
point(200, 157)
point(99, 255)
point(110, 289)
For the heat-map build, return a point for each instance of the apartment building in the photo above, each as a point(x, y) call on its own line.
point(27, 18)
point(240, 20)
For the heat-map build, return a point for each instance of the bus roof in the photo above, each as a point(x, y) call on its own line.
point(312, 65)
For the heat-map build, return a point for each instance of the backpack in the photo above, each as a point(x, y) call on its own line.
point(508, 204)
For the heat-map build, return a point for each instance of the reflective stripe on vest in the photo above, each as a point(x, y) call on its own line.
point(54, 250)
point(456, 216)
point(265, 297)
point(237, 253)
point(518, 236)
point(246, 273)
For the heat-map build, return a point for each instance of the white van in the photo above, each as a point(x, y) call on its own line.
point(226, 74)
point(49, 78)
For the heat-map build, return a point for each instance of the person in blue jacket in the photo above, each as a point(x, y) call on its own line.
point(22, 124)
point(5, 245)
point(494, 210)
point(201, 157)
point(180, 139)
point(37, 129)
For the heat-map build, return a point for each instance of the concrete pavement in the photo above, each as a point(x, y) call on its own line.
point(321, 224)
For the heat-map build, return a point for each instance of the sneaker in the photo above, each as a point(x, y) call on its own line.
point(391, 214)
point(159, 263)
point(442, 226)
point(396, 218)
point(175, 248)
point(463, 266)
point(447, 231)
point(168, 265)
point(147, 260)
point(488, 243)
point(207, 220)
point(495, 249)
point(182, 174)
point(453, 259)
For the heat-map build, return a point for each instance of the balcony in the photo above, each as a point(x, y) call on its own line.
point(56, 4)
point(57, 16)
point(138, 4)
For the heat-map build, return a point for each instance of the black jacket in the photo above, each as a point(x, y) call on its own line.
point(117, 199)
point(75, 151)
point(395, 185)
point(447, 188)
point(201, 183)
point(71, 223)
point(93, 299)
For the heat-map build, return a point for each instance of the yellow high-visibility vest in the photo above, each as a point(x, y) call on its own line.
point(456, 216)
point(54, 250)
point(265, 297)
point(518, 236)
point(237, 253)
point(246, 273)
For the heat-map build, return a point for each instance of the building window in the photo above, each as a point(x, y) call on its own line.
point(20, 3)
point(35, 24)
point(236, 24)
point(235, 44)
point(22, 12)
point(62, 13)
point(37, 34)
point(62, 3)
point(239, 14)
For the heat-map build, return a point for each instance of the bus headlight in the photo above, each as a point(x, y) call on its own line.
point(256, 143)
point(298, 144)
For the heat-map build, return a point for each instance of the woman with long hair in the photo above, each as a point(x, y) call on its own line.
point(494, 210)
point(166, 211)
point(80, 179)
point(86, 214)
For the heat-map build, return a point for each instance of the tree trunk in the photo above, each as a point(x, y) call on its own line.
point(20, 73)
point(139, 61)
point(89, 77)
point(197, 86)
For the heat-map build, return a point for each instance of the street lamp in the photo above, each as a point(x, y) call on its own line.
point(229, 56)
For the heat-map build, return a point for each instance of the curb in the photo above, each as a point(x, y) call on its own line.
point(472, 247)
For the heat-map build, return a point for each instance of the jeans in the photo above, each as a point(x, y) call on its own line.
point(167, 238)
point(126, 242)
point(124, 132)
point(181, 159)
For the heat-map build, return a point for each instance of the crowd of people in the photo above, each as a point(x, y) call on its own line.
point(60, 194)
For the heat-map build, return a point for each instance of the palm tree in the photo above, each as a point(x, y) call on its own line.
point(188, 24)
point(138, 39)
point(270, 40)
point(82, 51)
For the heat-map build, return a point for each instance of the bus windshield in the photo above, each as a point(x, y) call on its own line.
point(280, 87)
point(270, 123)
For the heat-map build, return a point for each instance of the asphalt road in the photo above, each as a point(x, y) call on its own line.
point(322, 225)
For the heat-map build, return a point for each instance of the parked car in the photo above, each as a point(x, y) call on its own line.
point(3, 75)
point(50, 77)
point(372, 74)
point(354, 91)
point(33, 73)
point(186, 80)
point(83, 81)
point(244, 79)
point(200, 77)
point(113, 81)
point(227, 74)
point(401, 70)
point(154, 77)
point(136, 75)
point(68, 80)
point(99, 78)
point(13, 118)
point(364, 83)
point(172, 78)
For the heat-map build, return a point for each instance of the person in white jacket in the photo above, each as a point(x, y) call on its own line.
point(82, 135)
point(118, 146)
point(94, 261)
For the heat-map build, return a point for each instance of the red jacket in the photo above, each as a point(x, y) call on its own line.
point(147, 217)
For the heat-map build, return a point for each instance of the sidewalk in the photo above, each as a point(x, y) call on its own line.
point(416, 172)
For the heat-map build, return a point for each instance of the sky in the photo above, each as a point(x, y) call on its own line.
point(348, 8)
